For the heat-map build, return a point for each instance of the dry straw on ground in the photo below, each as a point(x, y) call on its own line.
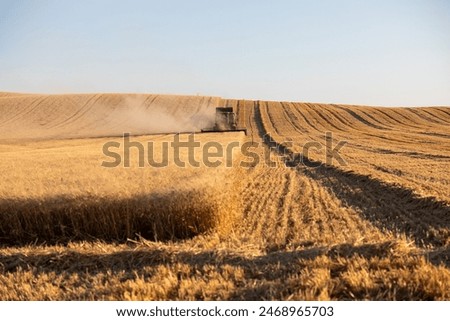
point(377, 228)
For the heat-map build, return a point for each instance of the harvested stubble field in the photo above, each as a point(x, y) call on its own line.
point(377, 227)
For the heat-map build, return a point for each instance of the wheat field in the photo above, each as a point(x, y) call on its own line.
point(373, 227)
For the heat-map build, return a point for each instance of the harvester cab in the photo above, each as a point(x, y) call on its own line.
point(225, 121)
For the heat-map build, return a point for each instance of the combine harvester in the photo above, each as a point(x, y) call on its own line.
point(226, 121)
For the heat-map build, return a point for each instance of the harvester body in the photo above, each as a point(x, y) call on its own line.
point(225, 121)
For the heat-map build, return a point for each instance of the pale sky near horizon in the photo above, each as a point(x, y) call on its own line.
point(388, 53)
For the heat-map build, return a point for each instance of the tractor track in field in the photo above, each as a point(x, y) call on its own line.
point(392, 208)
point(325, 122)
point(81, 111)
point(361, 119)
point(430, 116)
point(292, 209)
point(36, 102)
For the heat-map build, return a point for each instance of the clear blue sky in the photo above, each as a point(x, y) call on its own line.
point(377, 52)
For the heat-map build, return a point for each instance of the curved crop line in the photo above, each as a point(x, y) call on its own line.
point(347, 123)
point(425, 118)
point(389, 207)
point(25, 111)
point(327, 120)
point(298, 108)
point(292, 119)
point(409, 123)
point(445, 110)
point(361, 119)
point(79, 112)
point(313, 113)
point(443, 121)
point(375, 120)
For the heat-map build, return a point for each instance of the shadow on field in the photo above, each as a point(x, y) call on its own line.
point(276, 275)
point(73, 261)
point(60, 219)
point(395, 208)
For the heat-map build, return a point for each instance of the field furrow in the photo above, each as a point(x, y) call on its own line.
point(278, 224)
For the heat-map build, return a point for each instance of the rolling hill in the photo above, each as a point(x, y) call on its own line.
point(351, 203)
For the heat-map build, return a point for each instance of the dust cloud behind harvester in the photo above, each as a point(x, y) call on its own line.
point(96, 115)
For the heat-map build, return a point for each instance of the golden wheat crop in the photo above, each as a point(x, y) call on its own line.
point(377, 227)
point(60, 192)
